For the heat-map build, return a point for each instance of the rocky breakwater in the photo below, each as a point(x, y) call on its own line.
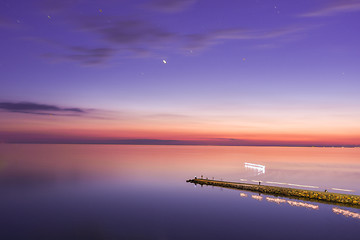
point(329, 197)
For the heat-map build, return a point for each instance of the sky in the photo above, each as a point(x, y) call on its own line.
point(250, 72)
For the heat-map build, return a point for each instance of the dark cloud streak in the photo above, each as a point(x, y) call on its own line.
point(83, 55)
point(125, 31)
point(171, 5)
point(57, 5)
point(54, 139)
point(7, 23)
point(90, 56)
point(39, 109)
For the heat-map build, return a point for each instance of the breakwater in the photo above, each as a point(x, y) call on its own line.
point(326, 197)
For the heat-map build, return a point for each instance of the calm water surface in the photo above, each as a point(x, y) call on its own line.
point(139, 192)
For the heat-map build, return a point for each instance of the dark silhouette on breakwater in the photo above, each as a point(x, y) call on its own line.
point(325, 197)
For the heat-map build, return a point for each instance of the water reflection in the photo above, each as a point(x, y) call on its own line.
point(257, 197)
point(292, 203)
point(108, 192)
point(346, 213)
point(301, 204)
point(275, 200)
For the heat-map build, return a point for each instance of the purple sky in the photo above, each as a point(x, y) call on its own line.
point(198, 64)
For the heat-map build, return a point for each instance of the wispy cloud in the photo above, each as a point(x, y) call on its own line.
point(125, 31)
point(170, 5)
point(122, 36)
point(90, 55)
point(129, 37)
point(138, 38)
point(39, 109)
point(135, 36)
point(203, 40)
point(7, 23)
point(57, 6)
point(335, 8)
point(84, 55)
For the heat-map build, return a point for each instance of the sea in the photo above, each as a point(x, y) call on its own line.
point(65, 192)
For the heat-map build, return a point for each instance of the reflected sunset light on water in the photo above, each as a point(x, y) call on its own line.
point(113, 182)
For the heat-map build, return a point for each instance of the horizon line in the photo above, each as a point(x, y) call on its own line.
point(181, 144)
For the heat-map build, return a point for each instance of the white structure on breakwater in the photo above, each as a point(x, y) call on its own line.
point(258, 167)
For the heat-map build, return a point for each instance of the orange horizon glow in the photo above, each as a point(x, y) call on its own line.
point(193, 138)
point(198, 130)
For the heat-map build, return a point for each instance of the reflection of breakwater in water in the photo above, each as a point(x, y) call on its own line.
point(257, 197)
point(346, 213)
point(336, 210)
point(301, 204)
point(275, 200)
point(280, 200)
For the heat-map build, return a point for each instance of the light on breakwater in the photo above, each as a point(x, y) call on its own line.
point(277, 183)
point(298, 185)
point(292, 184)
point(261, 170)
point(307, 186)
point(345, 190)
point(258, 167)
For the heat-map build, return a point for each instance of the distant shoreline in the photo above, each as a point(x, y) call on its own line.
point(176, 144)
